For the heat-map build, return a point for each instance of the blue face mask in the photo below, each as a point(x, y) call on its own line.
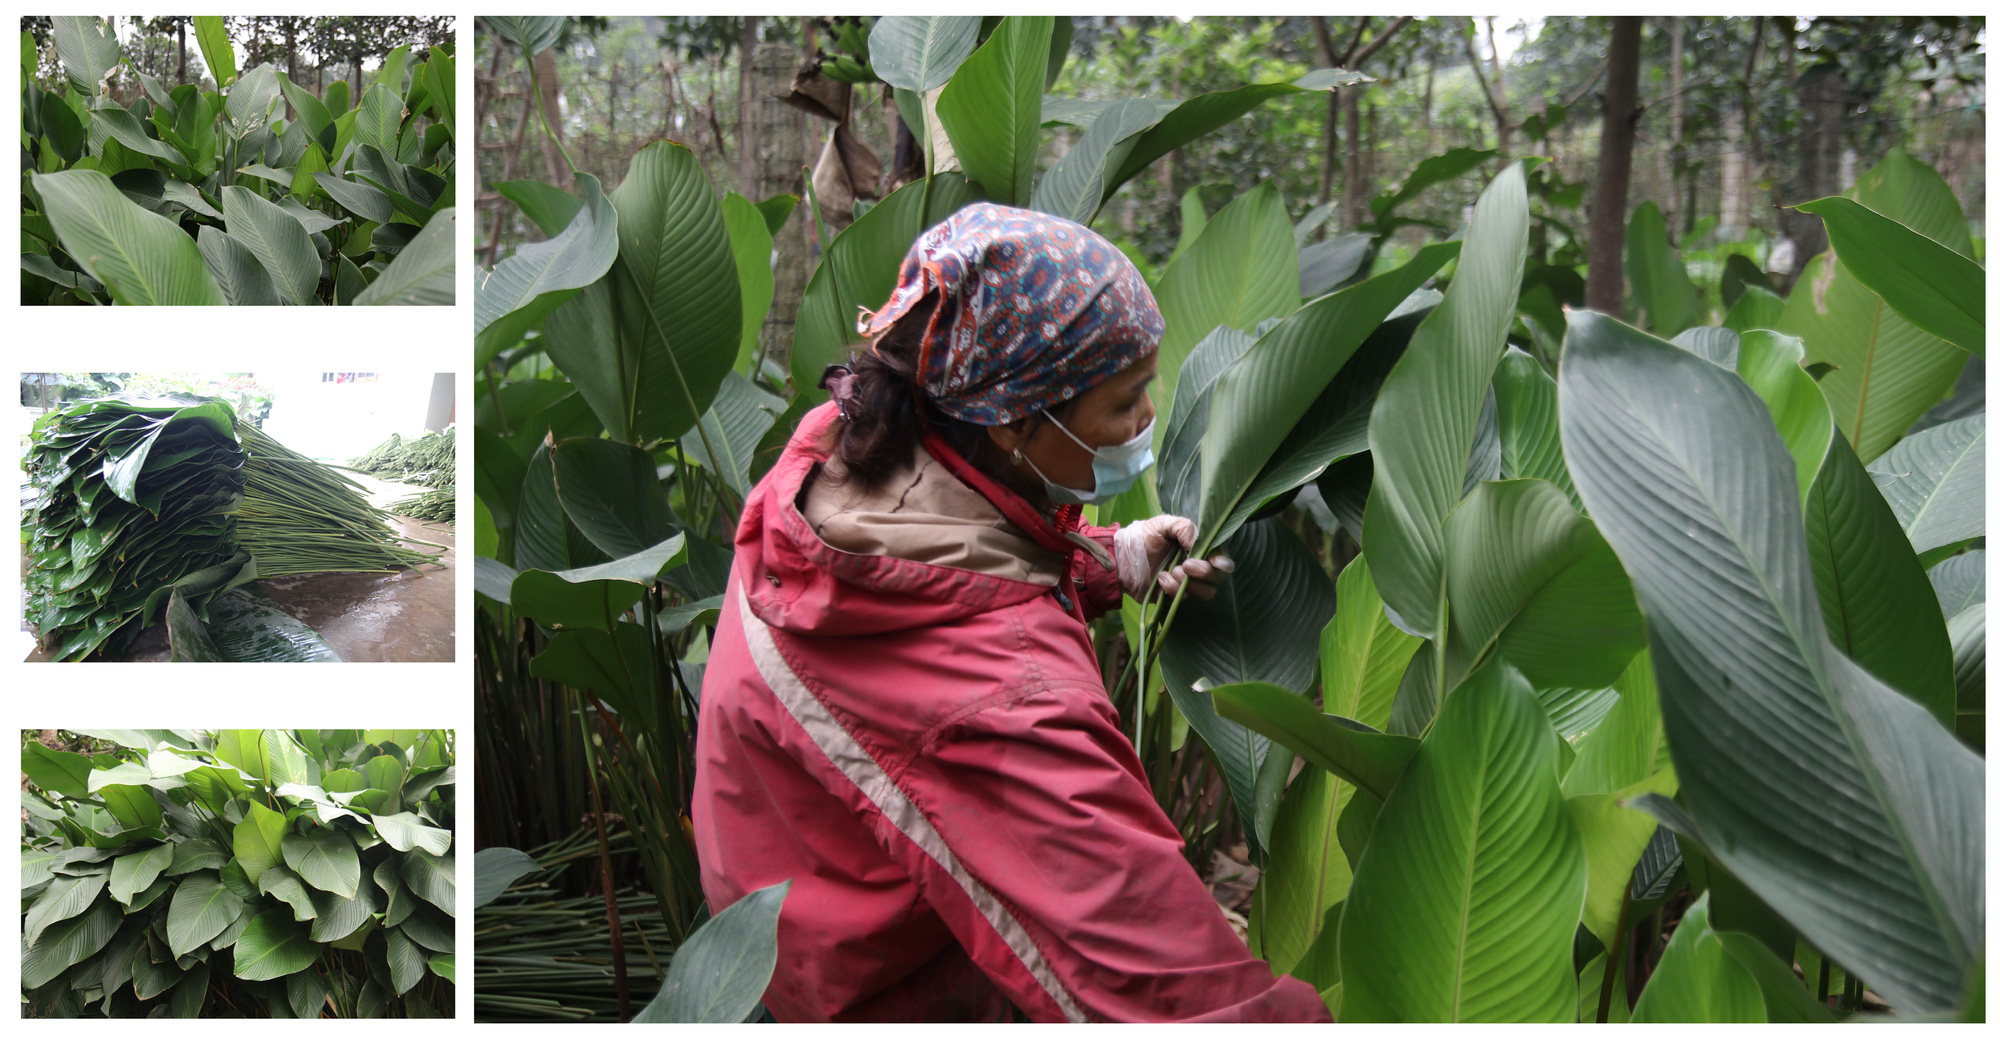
point(1116, 468)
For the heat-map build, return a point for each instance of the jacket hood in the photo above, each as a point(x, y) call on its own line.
point(798, 583)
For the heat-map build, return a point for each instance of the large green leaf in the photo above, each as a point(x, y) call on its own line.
point(216, 51)
point(431, 877)
point(252, 100)
point(236, 270)
point(108, 121)
point(312, 113)
point(544, 537)
point(1614, 837)
point(283, 883)
point(326, 858)
point(1367, 758)
point(719, 974)
point(1936, 482)
point(496, 868)
point(52, 770)
point(424, 273)
point(1698, 980)
point(750, 240)
point(1688, 481)
point(135, 871)
point(1262, 625)
point(406, 962)
point(1659, 282)
point(859, 270)
point(144, 259)
point(378, 118)
point(259, 839)
point(532, 35)
point(992, 108)
point(733, 426)
point(1914, 195)
point(538, 278)
point(1524, 399)
point(1305, 872)
point(1424, 421)
point(1886, 371)
point(69, 941)
point(1530, 580)
point(87, 47)
point(1074, 187)
point(1465, 903)
point(1242, 270)
point(1258, 400)
point(1931, 286)
point(1362, 655)
point(1627, 745)
point(273, 945)
point(336, 917)
point(1770, 364)
point(611, 491)
point(1203, 114)
point(594, 596)
point(66, 897)
point(280, 244)
point(407, 832)
point(920, 52)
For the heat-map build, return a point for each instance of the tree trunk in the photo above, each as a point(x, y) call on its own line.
point(291, 61)
point(746, 122)
point(181, 38)
point(1822, 101)
point(1354, 202)
point(1329, 154)
point(1494, 100)
point(551, 102)
point(1604, 291)
point(1677, 149)
point(1500, 106)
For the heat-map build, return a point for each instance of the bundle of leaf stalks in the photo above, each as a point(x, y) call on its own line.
point(300, 516)
point(429, 460)
point(429, 506)
point(133, 495)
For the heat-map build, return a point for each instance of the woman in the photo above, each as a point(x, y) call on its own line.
point(902, 712)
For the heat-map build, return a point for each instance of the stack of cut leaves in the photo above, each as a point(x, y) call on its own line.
point(300, 516)
point(429, 506)
point(430, 460)
point(135, 497)
point(289, 874)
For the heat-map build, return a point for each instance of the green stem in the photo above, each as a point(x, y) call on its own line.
point(1612, 956)
point(536, 82)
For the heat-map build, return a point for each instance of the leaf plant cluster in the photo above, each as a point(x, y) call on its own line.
point(192, 874)
point(190, 196)
point(1652, 624)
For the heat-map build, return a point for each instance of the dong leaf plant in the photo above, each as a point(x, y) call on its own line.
point(183, 194)
point(196, 874)
point(1675, 621)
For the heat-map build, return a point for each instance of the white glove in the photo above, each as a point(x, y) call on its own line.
point(1143, 546)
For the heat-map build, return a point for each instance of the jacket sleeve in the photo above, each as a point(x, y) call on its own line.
point(1100, 590)
point(1075, 899)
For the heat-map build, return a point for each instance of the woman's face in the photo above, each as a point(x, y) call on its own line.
point(1111, 412)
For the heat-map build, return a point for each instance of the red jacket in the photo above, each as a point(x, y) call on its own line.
point(928, 753)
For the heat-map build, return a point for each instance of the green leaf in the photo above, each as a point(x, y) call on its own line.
point(1075, 186)
point(441, 82)
point(1362, 655)
point(236, 270)
point(67, 942)
point(1436, 169)
point(280, 244)
point(272, 946)
point(595, 595)
point(430, 877)
point(919, 52)
point(363, 200)
point(191, 993)
point(1464, 905)
point(143, 259)
point(1203, 114)
point(612, 492)
point(532, 35)
point(992, 107)
point(1960, 581)
point(1936, 482)
point(60, 123)
point(407, 832)
point(66, 897)
point(1424, 421)
point(719, 974)
point(750, 240)
point(380, 114)
point(308, 993)
point(335, 917)
point(1347, 748)
point(252, 100)
point(1613, 838)
point(734, 424)
point(444, 965)
point(1930, 285)
point(1258, 399)
point(216, 52)
point(496, 868)
point(1242, 270)
point(259, 839)
point(1770, 364)
point(1304, 873)
point(1756, 308)
point(134, 872)
point(675, 300)
point(65, 774)
point(859, 270)
point(195, 855)
point(88, 49)
point(1525, 413)
point(1786, 1000)
point(1530, 580)
point(325, 858)
point(282, 883)
point(406, 962)
point(1660, 283)
point(1688, 481)
point(1262, 625)
point(1886, 371)
point(1626, 746)
point(1698, 980)
point(318, 122)
point(425, 273)
point(201, 909)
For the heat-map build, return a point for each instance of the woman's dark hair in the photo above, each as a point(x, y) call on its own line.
point(885, 430)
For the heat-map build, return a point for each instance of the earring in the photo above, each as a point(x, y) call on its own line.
point(1017, 455)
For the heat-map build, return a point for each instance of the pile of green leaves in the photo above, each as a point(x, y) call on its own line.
point(134, 496)
point(429, 460)
point(437, 505)
point(287, 874)
point(300, 516)
point(188, 196)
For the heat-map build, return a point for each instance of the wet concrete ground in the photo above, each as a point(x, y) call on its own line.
point(404, 616)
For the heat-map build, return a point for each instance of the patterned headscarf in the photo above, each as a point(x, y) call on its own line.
point(1033, 309)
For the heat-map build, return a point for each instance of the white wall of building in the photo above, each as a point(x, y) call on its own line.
point(339, 416)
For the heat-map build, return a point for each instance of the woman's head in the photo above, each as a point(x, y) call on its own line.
point(1001, 318)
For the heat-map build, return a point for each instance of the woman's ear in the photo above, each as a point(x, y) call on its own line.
point(1012, 436)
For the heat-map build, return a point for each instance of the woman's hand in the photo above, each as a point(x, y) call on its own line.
point(1142, 548)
